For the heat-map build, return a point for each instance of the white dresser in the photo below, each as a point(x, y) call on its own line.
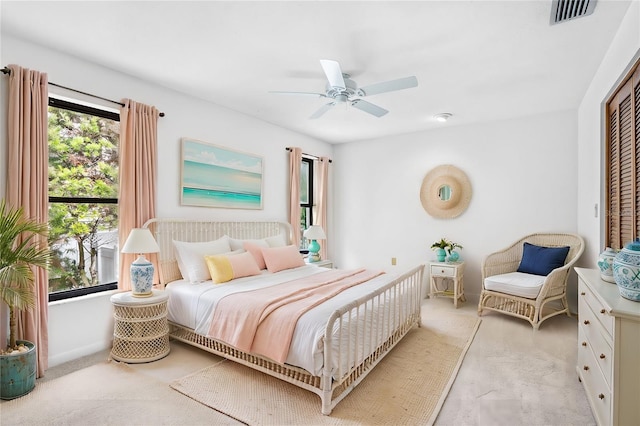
point(608, 350)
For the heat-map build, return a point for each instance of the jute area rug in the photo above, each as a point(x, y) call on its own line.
point(107, 393)
point(408, 387)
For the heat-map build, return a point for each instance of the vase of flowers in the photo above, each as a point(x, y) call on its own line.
point(444, 247)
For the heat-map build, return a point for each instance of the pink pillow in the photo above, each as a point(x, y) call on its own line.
point(281, 258)
point(256, 252)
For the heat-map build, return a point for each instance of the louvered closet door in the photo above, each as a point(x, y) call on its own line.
point(623, 183)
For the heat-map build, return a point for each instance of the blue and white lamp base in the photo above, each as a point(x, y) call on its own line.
point(142, 277)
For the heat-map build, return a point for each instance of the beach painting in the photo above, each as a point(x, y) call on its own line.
point(214, 176)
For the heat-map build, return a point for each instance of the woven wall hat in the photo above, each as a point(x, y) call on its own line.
point(445, 192)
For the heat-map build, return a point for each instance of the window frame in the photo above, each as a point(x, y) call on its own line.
point(310, 183)
point(103, 113)
point(309, 205)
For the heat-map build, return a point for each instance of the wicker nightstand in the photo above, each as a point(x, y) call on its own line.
point(141, 330)
point(447, 272)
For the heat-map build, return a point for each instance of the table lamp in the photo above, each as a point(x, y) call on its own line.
point(141, 241)
point(314, 233)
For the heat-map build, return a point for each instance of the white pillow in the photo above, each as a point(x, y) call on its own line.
point(237, 244)
point(275, 241)
point(190, 257)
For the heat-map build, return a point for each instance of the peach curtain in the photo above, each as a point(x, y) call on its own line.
point(295, 160)
point(320, 213)
point(138, 173)
point(27, 186)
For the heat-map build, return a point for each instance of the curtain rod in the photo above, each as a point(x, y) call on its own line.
point(315, 157)
point(7, 70)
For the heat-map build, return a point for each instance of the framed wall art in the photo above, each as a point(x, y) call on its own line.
point(215, 176)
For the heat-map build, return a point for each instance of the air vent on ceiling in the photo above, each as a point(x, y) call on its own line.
point(563, 10)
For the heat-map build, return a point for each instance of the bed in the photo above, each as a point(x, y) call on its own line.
point(334, 345)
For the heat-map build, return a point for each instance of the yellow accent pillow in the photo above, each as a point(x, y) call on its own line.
point(225, 268)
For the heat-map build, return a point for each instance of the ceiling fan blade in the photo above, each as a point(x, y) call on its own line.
point(322, 95)
point(322, 110)
point(389, 86)
point(369, 107)
point(333, 72)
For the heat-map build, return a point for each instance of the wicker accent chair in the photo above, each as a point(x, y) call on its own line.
point(554, 288)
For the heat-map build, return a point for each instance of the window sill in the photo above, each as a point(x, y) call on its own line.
point(106, 293)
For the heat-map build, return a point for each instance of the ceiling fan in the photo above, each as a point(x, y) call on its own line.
point(342, 90)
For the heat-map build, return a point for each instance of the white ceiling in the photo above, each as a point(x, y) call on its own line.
point(479, 60)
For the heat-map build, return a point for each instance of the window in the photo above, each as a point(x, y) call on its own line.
point(83, 198)
point(306, 197)
point(623, 163)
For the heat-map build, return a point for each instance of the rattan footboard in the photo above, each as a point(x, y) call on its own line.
point(335, 382)
point(357, 335)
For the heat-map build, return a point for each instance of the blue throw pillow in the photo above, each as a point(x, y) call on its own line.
point(542, 260)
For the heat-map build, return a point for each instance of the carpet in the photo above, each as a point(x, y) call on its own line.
point(408, 387)
point(108, 393)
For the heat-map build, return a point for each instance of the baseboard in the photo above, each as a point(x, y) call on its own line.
point(77, 353)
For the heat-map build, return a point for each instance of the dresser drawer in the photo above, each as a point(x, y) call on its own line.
point(591, 338)
point(443, 271)
point(595, 386)
point(596, 307)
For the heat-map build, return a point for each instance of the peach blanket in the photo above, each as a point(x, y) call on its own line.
point(262, 321)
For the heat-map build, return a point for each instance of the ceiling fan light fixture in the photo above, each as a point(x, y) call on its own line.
point(442, 117)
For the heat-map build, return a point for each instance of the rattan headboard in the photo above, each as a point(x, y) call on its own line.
point(167, 230)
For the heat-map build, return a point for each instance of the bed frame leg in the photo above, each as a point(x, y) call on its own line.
point(326, 406)
point(327, 392)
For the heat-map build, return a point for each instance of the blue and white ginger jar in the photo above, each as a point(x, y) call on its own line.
point(626, 271)
point(605, 264)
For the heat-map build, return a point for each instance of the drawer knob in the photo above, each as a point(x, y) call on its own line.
point(602, 356)
point(601, 396)
point(585, 368)
point(602, 311)
point(584, 344)
point(587, 322)
point(583, 293)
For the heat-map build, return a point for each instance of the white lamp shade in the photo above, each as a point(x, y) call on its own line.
point(315, 232)
point(140, 240)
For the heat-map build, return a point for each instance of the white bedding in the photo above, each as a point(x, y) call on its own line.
point(192, 306)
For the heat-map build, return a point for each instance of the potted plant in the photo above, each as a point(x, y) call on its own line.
point(440, 249)
point(444, 247)
point(17, 260)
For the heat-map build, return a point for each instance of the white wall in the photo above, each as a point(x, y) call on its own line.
point(623, 52)
point(79, 327)
point(185, 116)
point(523, 175)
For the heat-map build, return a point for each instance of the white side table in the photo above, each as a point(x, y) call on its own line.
point(323, 263)
point(141, 330)
point(441, 274)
